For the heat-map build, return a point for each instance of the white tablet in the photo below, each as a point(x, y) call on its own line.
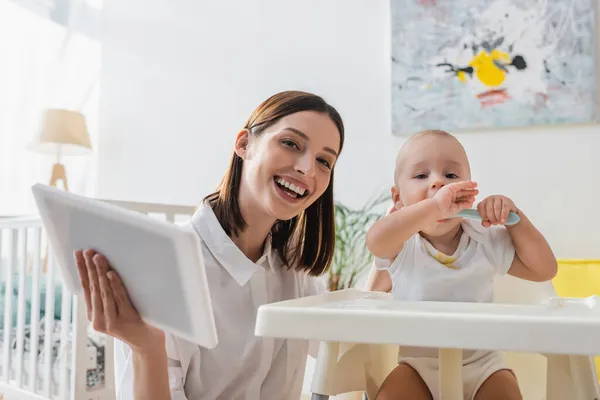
point(159, 262)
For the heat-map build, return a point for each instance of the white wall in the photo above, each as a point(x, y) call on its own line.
point(180, 78)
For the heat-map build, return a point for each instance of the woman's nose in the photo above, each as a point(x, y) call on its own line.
point(305, 165)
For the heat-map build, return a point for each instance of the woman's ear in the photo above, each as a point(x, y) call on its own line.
point(241, 143)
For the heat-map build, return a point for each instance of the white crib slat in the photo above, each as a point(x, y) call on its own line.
point(48, 325)
point(65, 326)
point(170, 217)
point(109, 368)
point(6, 350)
point(21, 305)
point(79, 362)
point(35, 309)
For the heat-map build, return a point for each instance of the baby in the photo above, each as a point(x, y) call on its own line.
point(431, 256)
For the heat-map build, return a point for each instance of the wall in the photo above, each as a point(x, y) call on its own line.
point(179, 80)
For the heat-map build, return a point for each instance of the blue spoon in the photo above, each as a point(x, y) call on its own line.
point(473, 214)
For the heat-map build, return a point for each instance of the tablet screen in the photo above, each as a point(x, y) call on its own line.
point(141, 258)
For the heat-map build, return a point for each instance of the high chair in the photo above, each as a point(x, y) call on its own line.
point(363, 367)
point(549, 345)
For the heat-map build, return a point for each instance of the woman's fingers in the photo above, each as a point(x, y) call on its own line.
point(96, 299)
point(106, 293)
point(84, 280)
point(108, 305)
point(124, 306)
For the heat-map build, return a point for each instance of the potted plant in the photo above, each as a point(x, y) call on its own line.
point(351, 256)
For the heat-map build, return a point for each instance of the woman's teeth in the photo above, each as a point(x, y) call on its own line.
point(291, 187)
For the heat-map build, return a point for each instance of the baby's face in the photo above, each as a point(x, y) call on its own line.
point(425, 164)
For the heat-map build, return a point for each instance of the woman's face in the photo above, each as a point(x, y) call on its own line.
point(288, 166)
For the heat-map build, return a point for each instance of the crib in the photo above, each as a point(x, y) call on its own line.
point(48, 350)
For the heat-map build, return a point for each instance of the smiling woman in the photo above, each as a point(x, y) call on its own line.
point(288, 148)
point(265, 230)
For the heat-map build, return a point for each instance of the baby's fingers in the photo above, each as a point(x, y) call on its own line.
point(465, 202)
point(466, 199)
point(482, 210)
point(490, 212)
point(467, 193)
point(463, 185)
point(505, 211)
point(498, 206)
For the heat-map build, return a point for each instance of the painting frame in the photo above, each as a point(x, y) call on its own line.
point(586, 90)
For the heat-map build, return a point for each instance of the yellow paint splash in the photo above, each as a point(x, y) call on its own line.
point(486, 71)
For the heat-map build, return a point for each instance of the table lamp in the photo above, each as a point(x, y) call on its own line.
point(63, 132)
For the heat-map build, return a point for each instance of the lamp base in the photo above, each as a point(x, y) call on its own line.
point(59, 174)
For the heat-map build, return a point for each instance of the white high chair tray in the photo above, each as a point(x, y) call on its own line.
point(355, 316)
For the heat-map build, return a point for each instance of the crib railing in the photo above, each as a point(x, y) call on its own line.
point(28, 342)
point(46, 349)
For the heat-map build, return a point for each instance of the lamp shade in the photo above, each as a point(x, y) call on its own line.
point(63, 132)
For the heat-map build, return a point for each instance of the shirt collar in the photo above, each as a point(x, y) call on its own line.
point(231, 258)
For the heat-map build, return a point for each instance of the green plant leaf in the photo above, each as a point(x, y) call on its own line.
point(351, 256)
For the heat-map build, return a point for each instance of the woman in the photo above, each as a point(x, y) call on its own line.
point(266, 233)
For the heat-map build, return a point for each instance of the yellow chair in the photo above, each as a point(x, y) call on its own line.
point(578, 278)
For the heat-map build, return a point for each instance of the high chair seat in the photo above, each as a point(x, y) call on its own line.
point(360, 333)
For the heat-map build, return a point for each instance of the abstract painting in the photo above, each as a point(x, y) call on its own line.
point(481, 64)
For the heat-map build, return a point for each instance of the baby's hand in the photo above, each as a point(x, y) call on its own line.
point(494, 210)
point(456, 197)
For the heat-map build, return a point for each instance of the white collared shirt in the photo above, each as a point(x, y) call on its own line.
point(242, 366)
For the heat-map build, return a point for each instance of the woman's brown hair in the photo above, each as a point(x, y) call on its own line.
point(307, 241)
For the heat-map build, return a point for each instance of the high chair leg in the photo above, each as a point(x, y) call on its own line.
point(571, 377)
point(324, 375)
point(451, 362)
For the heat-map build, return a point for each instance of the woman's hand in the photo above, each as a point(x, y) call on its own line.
point(109, 308)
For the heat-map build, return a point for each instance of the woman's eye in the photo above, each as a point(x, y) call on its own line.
point(290, 143)
point(325, 162)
